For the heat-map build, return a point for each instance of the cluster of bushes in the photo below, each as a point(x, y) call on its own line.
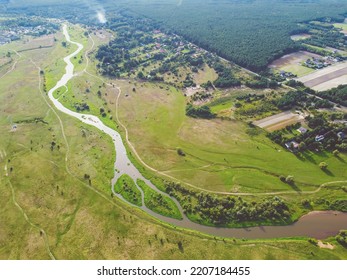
point(127, 188)
point(223, 210)
point(342, 238)
point(80, 107)
point(262, 82)
point(324, 36)
point(337, 95)
point(203, 112)
point(299, 98)
point(225, 77)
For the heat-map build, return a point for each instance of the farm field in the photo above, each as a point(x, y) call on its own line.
point(335, 82)
point(343, 27)
point(327, 50)
point(279, 121)
point(292, 63)
point(343, 53)
point(327, 78)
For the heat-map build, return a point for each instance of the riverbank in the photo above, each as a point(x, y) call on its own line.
point(82, 220)
point(329, 222)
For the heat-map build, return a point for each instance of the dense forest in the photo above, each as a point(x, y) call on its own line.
point(249, 32)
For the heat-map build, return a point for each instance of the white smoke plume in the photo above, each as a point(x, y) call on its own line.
point(101, 16)
point(99, 10)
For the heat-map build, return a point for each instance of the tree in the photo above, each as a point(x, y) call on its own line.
point(140, 75)
point(180, 246)
point(342, 238)
point(290, 179)
point(302, 146)
point(316, 122)
point(181, 152)
point(323, 165)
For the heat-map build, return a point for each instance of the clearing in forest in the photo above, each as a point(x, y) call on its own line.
point(293, 63)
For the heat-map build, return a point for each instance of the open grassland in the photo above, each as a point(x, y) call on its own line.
point(343, 27)
point(225, 156)
point(205, 74)
point(159, 203)
point(37, 43)
point(51, 208)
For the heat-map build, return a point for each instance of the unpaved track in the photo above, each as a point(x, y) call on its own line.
point(124, 166)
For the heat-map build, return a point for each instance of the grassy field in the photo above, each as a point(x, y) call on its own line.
point(293, 63)
point(46, 193)
point(127, 188)
point(220, 155)
point(207, 74)
point(298, 70)
point(158, 203)
point(343, 26)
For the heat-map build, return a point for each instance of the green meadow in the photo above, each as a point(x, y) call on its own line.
point(55, 171)
point(220, 155)
point(159, 203)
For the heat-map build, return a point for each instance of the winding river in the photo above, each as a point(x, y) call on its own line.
point(315, 224)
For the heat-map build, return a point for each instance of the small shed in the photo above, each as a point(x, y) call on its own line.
point(302, 130)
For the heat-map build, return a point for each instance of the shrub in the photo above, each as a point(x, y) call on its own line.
point(313, 241)
point(180, 152)
point(342, 238)
point(323, 165)
point(290, 179)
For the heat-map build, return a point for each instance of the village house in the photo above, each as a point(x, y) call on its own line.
point(341, 135)
point(302, 130)
point(292, 145)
